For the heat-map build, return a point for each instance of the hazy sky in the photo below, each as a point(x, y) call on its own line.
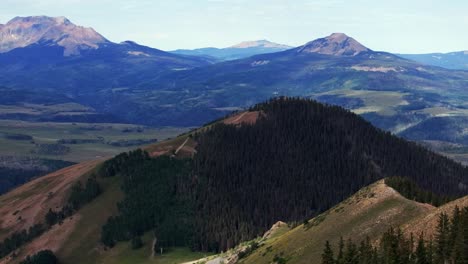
point(402, 26)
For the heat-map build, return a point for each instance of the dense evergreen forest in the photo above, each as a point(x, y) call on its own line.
point(450, 245)
point(155, 198)
point(412, 191)
point(299, 159)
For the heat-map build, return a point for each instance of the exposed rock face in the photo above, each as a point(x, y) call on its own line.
point(337, 44)
point(24, 31)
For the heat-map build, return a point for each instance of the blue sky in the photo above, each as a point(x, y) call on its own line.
point(400, 26)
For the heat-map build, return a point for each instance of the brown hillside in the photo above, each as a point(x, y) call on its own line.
point(427, 223)
point(28, 204)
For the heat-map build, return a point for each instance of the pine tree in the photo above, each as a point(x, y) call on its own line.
point(430, 252)
point(421, 253)
point(455, 240)
point(365, 252)
point(327, 256)
point(442, 233)
point(351, 253)
point(51, 217)
point(340, 257)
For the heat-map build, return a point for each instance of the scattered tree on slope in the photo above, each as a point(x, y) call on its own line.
point(450, 246)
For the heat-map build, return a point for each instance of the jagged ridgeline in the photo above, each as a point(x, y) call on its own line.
point(298, 159)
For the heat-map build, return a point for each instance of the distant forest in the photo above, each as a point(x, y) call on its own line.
point(299, 159)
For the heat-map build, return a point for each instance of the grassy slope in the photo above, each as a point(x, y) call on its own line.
point(368, 213)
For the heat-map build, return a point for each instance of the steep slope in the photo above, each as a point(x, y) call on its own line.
point(239, 51)
point(452, 60)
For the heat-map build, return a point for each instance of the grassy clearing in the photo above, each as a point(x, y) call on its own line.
point(381, 102)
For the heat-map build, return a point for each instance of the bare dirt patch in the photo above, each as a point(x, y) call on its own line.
point(179, 147)
point(243, 118)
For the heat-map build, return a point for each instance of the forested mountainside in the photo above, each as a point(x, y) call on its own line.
point(298, 159)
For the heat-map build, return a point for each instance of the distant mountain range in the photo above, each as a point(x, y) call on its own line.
point(238, 51)
point(137, 84)
point(394, 93)
point(452, 60)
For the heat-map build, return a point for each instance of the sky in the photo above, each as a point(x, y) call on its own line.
point(398, 26)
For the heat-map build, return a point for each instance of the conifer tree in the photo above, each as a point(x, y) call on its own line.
point(340, 257)
point(327, 255)
point(351, 253)
point(421, 253)
point(442, 232)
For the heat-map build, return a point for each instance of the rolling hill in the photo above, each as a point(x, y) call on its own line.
point(224, 183)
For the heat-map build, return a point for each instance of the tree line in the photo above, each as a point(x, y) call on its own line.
point(409, 189)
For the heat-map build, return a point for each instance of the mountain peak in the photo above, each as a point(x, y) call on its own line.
point(39, 19)
point(337, 44)
point(24, 31)
point(263, 43)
